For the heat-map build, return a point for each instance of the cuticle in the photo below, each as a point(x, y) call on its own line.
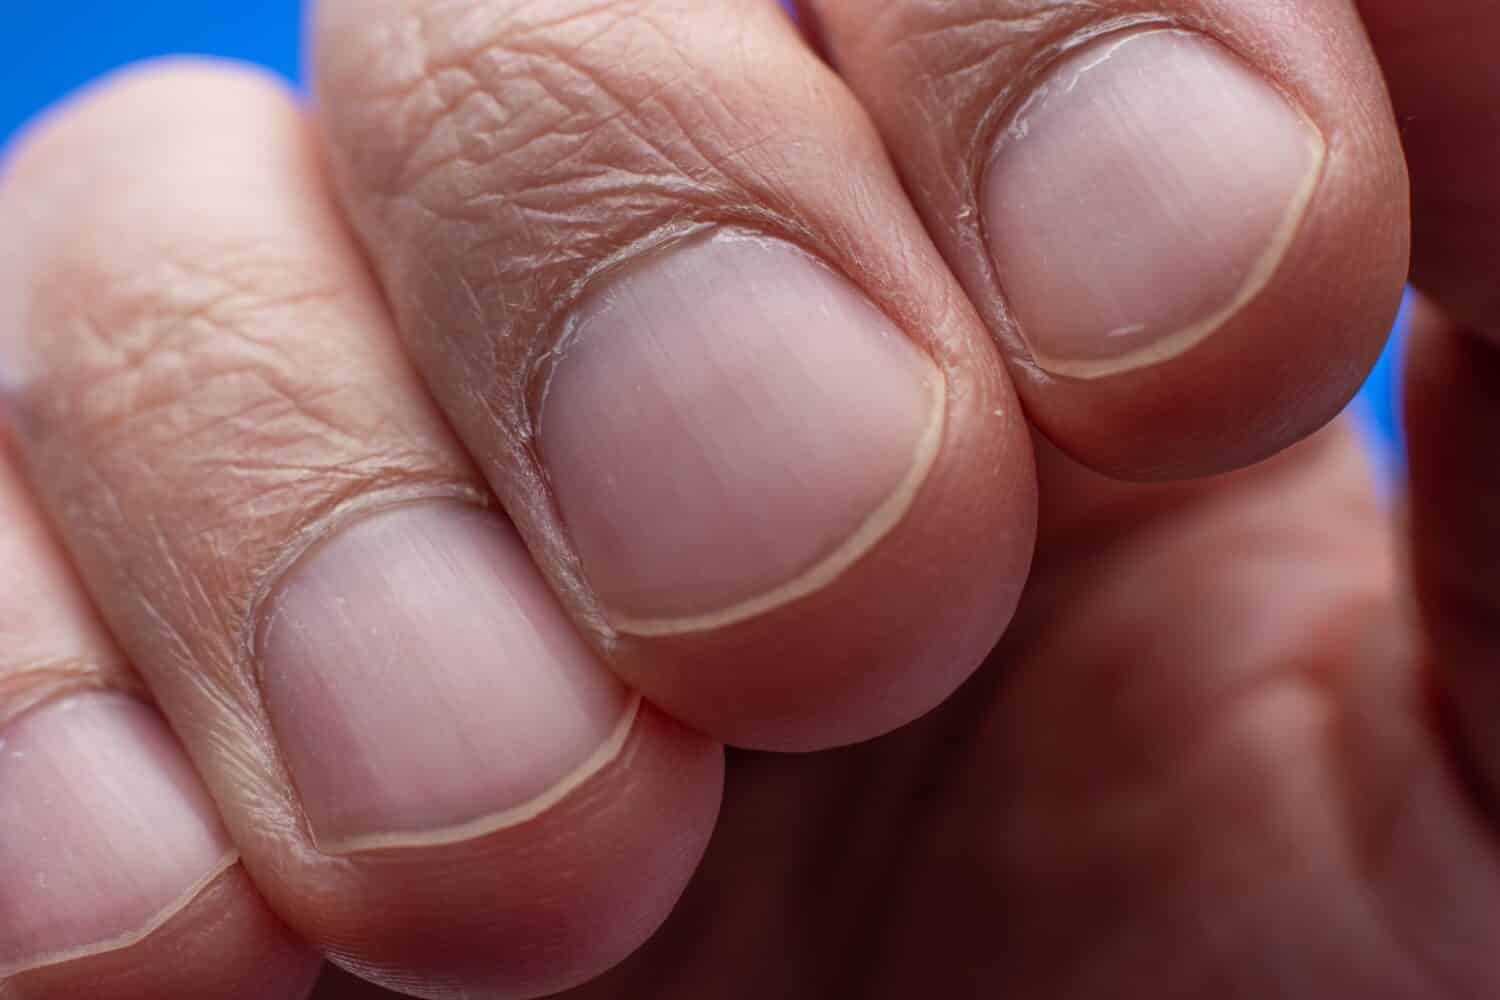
point(1008, 105)
point(561, 331)
point(119, 688)
point(1002, 112)
point(306, 543)
point(1014, 95)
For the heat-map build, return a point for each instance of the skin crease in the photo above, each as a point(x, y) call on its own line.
point(1261, 807)
point(1259, 798)
point(943, 78)
point(1249, 801)
point(1223, 751)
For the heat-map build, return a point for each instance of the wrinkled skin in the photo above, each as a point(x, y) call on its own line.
point(1207, 762)
point(1238, 742)
point(1203, 764)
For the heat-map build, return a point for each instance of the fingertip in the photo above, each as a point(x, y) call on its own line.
point(1197, 176)
point(485, 807)
point(111, 836)
point(1299, 300)
point(540, 906)
point(1269, 375)
point(900, 628)
point(118, 878)
point(224, 944)
point(1189, 234)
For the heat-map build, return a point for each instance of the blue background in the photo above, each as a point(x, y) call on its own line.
point(48, 49)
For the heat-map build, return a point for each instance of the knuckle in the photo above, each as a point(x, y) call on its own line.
point(198, 365)
point(965, 57)
point(51, 645)
point(955, 33)
point(210, 365)
point(162, 311)
point(136, 274)
point(178, 342)
point(557, 115)
point(132, 105)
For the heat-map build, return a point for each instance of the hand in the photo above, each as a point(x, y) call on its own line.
point(413, 492)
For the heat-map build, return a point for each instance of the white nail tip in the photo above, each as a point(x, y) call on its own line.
point(871, 531)
point(1173, 345)
point(491, 823)
point(132, 937)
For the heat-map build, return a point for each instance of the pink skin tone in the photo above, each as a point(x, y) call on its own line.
point(103, 806)
point(427, 490)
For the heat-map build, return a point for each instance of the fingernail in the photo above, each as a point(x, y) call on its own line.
point(729, 426)
point(424, 685)
point(1141, 197)
point(106, 832)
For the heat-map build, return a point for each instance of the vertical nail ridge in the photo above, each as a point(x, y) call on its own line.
point(825, 571)
point(109, 832)
point(424, 682)
point(1145, 193)
point(732, 423)
point(133, 937)
point(483, 826)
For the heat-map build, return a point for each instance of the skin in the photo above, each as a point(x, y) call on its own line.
point(1234, 734)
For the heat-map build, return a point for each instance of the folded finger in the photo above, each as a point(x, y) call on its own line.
point(653, 263)
point(117, 877)
point(1185, 222)
point(427, 772)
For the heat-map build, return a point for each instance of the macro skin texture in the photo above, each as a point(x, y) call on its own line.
point(619, 498)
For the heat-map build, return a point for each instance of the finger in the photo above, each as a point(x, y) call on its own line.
point(1185, 222)
point(653, 264)
point(426, 770)
point(1453, 422)
point(117, 879)
point(1439, 60)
